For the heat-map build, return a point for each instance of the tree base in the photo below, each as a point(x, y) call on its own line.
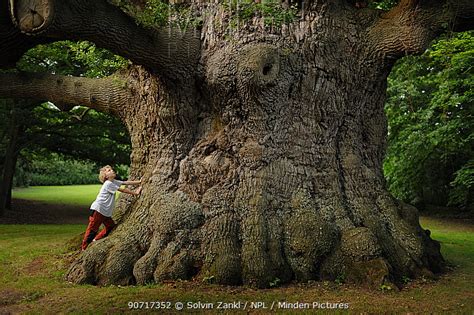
point(181, 242)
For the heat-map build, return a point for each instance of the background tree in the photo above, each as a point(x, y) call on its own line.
point(431, 118)
point(260, 143)
point(12, 132)
point(34, 129)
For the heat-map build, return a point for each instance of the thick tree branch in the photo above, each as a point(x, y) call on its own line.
point(413, 24)
point(171, 53)
point(105, 95)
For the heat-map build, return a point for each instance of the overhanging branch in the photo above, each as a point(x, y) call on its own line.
point(413, 24)
point(105, 95)
point(171, 53)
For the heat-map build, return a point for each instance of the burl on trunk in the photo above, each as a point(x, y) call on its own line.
point(260, 148)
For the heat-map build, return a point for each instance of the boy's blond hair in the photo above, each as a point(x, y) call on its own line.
point(102, 173)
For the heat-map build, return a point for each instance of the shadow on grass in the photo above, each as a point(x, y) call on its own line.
point(38, 212)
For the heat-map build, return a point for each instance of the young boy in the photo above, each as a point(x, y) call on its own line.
point(103, 206)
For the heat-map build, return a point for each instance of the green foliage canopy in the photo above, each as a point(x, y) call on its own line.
point(81, 133)
point(63, 132)
point(430, 110)
point(71, 58)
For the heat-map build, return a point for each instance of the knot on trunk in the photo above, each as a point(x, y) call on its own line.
point(259, 65)
point(32, 16)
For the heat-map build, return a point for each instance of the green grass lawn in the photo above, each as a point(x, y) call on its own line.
point(457, 240)
point(34, 260)
point(78, 195)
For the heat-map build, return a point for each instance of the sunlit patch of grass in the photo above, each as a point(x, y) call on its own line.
point(457, 240)
point(80, 195)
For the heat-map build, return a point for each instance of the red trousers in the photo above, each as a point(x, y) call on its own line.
point(95, 220)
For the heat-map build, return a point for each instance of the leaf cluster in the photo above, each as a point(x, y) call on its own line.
point(383, 4)
point(58, 132)
point(71, 58)
point(158, 13)
point(430, 110)
point(272, 11)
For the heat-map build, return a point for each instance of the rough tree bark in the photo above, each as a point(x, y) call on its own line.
point(260, 152)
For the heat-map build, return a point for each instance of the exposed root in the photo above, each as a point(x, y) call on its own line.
point(256, 247)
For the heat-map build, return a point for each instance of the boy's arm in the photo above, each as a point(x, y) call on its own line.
point(132, 182)
point(135, 192)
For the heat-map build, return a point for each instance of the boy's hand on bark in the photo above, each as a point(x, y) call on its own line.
point(138, 190)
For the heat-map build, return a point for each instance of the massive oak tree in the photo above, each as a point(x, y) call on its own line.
point(260, 148)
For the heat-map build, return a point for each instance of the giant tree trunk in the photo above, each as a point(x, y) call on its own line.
point(268, 166)
point(265, 160)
